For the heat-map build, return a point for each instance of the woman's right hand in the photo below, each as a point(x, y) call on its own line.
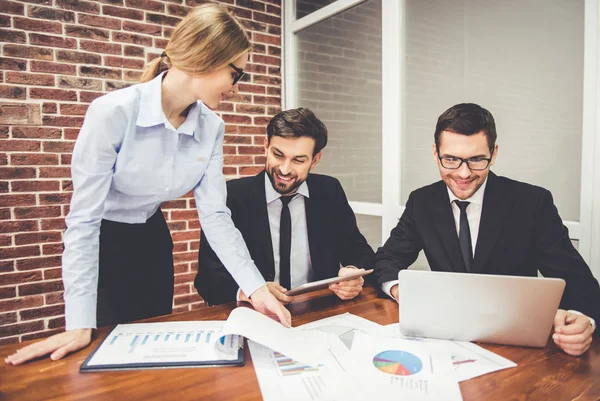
point(57, 346)
point(266, 303)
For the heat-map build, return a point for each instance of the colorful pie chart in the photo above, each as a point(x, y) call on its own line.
point(398, 363)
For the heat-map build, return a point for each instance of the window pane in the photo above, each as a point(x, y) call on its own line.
point(339, 78)
point(520, 59)
point(305, 7)
point(370, 227)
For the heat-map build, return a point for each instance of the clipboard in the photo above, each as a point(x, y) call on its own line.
point(140, 346)
point(318, 285)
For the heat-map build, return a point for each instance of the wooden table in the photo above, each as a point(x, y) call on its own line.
point(543, 374)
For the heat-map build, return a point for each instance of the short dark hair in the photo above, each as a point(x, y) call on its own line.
point(297, 123)
point(466, 119)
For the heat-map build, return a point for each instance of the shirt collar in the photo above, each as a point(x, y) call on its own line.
point(273, 195)
point(151, 112)
point(476, 198)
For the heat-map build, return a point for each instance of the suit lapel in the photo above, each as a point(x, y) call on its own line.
point(496, 207)
point(446, 227)
point(261, 223)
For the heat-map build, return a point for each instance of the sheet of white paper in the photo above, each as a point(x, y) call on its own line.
point(166, 342)
point(394, 368)
point(469, 360)
point(302, 346)
point(281, 378)
point(344, 326)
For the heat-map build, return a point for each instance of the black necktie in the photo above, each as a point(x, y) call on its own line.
point(464, 235)
point(285, 242)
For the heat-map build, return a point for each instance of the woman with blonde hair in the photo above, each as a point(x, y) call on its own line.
point(138, 147)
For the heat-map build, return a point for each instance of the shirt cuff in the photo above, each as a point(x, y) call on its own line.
point(237, 295)
point(80, 313)
point(387, 287)
point(592, 321)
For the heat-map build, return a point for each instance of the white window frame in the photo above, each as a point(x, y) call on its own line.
point(586, 230)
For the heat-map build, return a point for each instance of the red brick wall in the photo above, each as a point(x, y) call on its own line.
point(56, 57)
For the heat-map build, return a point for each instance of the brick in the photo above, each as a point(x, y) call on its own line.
point(52, 41)
point(57, 323)
point(12, 7)
point(40, 335)
point(173, 225)
point(37, 238)
point(274, 30)
point(125, 37)
point(52, 121)
point(256, 68)
point(79, 83)
point(180, 11)
point(251, 150)
point(19, 278)
point(39, 288)
point(185, 299)
point(149, 5)
point(8, 318)
point(274, 91)
point(49, 108)
point(78, 57)
point(65, 158)
point(251, 88)
point(5, 20)
point(249, 109)
point(114, 85)
point(246, 130)
point(162, 19)
point(252, 4)
point(16, 172)
point(160, 43)
point(54, 298)
point(224, 107)
point(132, 76)
point(185, 257)
point(123, 13)
point(52, 249)
point(268, 39)
point(274, 51)
point(78, 5)
point(236, 119)
point(254, 25)
point(267, 100)
point(16, 145)
point(134, 51)
point(53, 274)
point(273, 10)
point(21, 328)
point(36, 132)
point(32, 159)
point(241, 13)
point(17, 226)
point(258, 58)
point(9, 340)
point(12, 64)
point(149, 29)
point(55, 68)
point(99, 72)
point(50, 14)
point(29, 79)
point(56, 198)
point(250, 170)
point(28, 24)
point(184, 215)
point(7, 35)
point(34, 186)
point(59, 146)
point(3, 132)
point(174, 204)
point(121, 62)
point(19, 252)
point(229, 150)
point(100, 47)
point(6, 240)
point(12, 92)
point(87, 32)
point(20, 113)
point(262, 120)
point(7, 266)
point(38, 263)
point(31, 52)
point(8, 292)
point(101, 22)
point(87, 97)
point(167, 32)
point(55, 94)
point(22, 213)
point(238, 159)
point(73, 110)
point(39, 313)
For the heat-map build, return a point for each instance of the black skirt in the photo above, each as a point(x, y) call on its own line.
point(135, 271)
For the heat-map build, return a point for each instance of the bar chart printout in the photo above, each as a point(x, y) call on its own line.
point(150, 345)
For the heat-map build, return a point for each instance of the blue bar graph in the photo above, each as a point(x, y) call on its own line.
point(208, 337)
point(187, 337)
point(145, 339)
point(167, 336)
point(156, 337)
point(198, 337)
point(177, 337)
point(133, 342)
point(113, 340)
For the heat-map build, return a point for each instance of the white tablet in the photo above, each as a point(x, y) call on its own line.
point(318, 285)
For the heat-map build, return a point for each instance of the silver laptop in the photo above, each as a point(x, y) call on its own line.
point(478, 307)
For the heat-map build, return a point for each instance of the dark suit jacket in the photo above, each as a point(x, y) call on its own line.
point(520, 233)
point(333, 236)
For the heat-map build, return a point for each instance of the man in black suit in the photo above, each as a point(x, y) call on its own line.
point(298, 226)
point(477, 222)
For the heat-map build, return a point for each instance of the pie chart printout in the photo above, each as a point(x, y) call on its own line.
point(398, 363)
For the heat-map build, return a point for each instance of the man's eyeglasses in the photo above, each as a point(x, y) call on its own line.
point(239, 73)
point(473, 163)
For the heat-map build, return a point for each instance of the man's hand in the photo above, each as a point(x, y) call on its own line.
point(348, 289)
point(266, 303)
point(57, 346)
point(276, 289)
point(572, 332)
point(394, 292)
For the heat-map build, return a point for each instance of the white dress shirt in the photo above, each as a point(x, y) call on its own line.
point(128, 159)
point(301, 271)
